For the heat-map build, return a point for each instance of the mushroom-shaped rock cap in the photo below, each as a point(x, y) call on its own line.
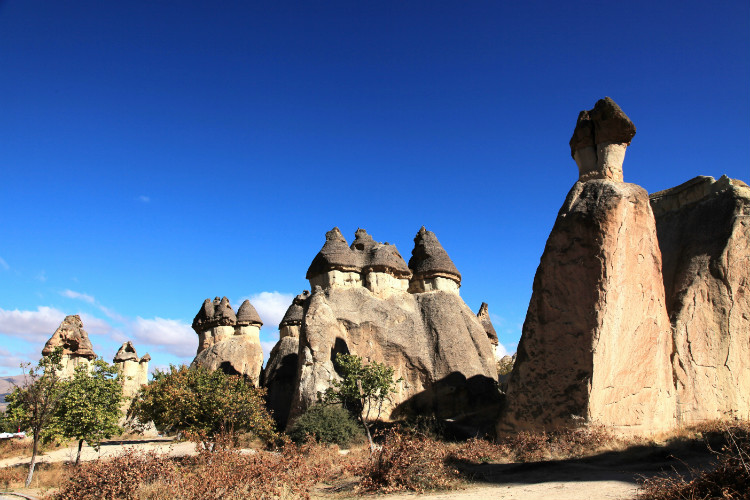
point(429, 259)
point(247, 315)
point(73, 339)
point(146, 358)
point(385, 258)
point(296, 311)
point(204, 317)
point(126, 353)
point(606, 123)
point(335, 254)
point(224, 314)
point(484, 317)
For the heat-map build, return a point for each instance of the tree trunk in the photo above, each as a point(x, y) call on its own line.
point(367, 430)
point(78, 457)
point(34, 448)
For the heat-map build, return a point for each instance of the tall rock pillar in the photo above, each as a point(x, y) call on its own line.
point(596, 342)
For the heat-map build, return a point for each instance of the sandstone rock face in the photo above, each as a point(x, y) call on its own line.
point(436, 345)
point(484, 318)
point(75, 343)
point(279, 377)
point(703, 227)
point(133, 370)
point(432, 340)
point(227, 341)
point(596, 341)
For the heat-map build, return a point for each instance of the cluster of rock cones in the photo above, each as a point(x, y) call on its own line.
point(639, 318)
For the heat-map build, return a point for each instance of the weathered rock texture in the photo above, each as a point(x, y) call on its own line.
point(596, 341)
point(436, 345)
point(133, 370)
point(279, 377)
point(599, 141)
point(484, 318)
point(703, 227)
point(75, 344)
point(227, 341)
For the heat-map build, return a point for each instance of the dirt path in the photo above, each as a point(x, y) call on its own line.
point(112, 448)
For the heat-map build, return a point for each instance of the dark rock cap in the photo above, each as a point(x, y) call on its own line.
point(484, 317)
point(335, 255)
point(296, 311)
point(247, 315)
point(429, 259)
point(71, 336)
point(204, 317)
point(224, 314)
point(606, 123)
point(146, 358)
point(385, 258)
point(126, 353)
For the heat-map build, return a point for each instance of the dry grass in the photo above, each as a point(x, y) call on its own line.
point(729, 479)
point(10, 448)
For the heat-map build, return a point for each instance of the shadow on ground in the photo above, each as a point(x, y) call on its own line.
point(631, 465)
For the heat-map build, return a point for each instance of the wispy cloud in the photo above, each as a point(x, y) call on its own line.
point(78, 296)
point(42, 276)
point(271, 307)
point(144, 199)
point(4, 265)
point(33, 326)
point(169, 335)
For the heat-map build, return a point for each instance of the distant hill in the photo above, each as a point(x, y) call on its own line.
point(7, 384)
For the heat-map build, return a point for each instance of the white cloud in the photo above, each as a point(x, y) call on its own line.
point(501, 350)
point(169, 335)
point(271, 307)
point(42, 276)
point(33, 326)
point(4, 264)
point(267, 346)
point(78, 296)
point(144, 199)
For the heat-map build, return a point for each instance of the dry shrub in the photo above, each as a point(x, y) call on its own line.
point(12, 476)
point(15, 447)
point(730, 479)
point(114, 478)
point(560, 444)
point(224, 474)
point(480, 450)
point(408, 462)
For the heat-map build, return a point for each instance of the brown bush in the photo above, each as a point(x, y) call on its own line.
point(730, 479)
point(115, 478)
point(408, 462)
point(12, 475)
point(223, 474)
point(480, 450)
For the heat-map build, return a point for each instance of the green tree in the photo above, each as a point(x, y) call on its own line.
point(203, 404)
point(89, 408)
point(34, 405)
point(362, 389)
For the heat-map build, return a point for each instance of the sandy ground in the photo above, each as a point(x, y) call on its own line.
point(161, 445)
point(611, 475)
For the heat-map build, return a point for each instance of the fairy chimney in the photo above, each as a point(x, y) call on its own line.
point(133, 371)
point(599, 141)
point(75, 344)
point(431, 267)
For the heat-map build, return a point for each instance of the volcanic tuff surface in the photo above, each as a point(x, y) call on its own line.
point(411, 318)
point(703, 227)
point(597, 310)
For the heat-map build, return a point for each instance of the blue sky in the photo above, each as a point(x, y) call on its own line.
point(154, 154)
